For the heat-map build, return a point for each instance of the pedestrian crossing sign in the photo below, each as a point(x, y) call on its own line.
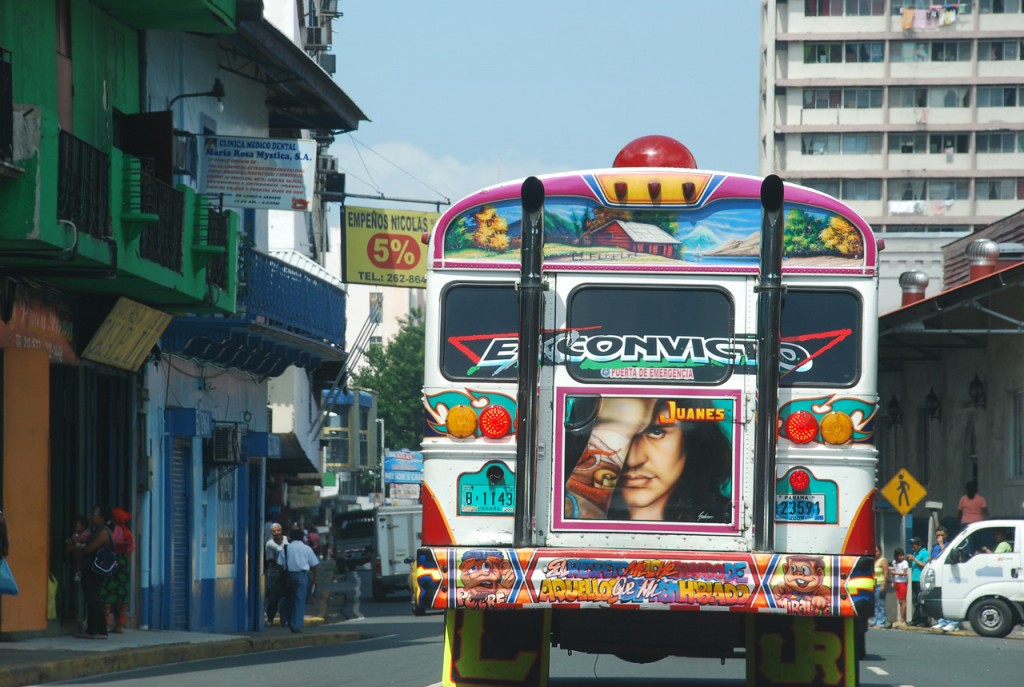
point(904, 492)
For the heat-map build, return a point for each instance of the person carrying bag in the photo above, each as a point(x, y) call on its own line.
point(98, 563)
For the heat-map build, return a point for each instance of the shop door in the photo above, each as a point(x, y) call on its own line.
point(181, 539)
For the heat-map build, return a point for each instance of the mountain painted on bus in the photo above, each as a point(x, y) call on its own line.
point(579, 230)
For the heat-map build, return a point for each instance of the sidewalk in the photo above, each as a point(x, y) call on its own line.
point(62, 657)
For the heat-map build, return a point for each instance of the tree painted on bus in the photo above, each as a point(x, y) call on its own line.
point(808, 234)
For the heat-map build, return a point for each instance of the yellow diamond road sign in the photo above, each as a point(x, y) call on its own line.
point(904, 492)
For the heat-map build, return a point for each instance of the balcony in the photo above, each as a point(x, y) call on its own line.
point(201, 16)
point(286, 316)
point(98, 221)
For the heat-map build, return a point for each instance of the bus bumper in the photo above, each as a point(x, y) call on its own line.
point(450, 578)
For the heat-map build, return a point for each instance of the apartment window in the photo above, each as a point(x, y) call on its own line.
point(908, 97)
point(998, 6)
point(866, 51)
point(829, 186)
point(364, 436)
point(959, 96)
point(822, 98)
point(996, 189)
point(908, 143)
point(823, 8)
point(1015, 443)
point(907, 189)
point(376, 342)
point(948, 189)
point(865, 8)
point(951, 51)
point(997, 96)
point(996, 142)
point(908, 51)
point(948, 143)
point(819, 144)
point(862, 98)
point(998, 51)
point(862, 144)
point(376, 307)
point(823, 53)
point(862, 189)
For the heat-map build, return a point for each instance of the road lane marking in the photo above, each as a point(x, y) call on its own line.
point(876, 670)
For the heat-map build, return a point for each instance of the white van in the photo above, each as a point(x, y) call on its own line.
point(979, 577)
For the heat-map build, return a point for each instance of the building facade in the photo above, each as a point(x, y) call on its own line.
point(911, 112)
point(143, 321)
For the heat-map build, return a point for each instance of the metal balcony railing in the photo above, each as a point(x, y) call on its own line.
point(278, 294)
point(83, 186)
point(162, 242)
point(6, 107)
point(217, 235)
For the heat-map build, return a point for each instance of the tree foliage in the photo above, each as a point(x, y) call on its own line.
point(395, 372)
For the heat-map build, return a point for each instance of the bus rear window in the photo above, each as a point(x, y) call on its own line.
point(657, 335)
point(480, 332)
point(821, 336)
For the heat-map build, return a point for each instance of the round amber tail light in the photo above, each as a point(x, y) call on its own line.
point(461, 421)
point(836, 428)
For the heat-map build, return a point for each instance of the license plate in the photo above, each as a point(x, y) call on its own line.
point(800, 507)
point(483, 499)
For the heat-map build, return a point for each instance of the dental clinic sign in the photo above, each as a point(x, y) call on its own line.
point(259, 173)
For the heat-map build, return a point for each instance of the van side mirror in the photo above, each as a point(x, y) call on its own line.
point(956, 556)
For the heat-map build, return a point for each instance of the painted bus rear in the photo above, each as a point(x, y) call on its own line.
point(638, 485)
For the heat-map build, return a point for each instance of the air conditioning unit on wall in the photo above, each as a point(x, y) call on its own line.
point(329, 8)
point(326, 164)
point(318, 37)
point(225, 447)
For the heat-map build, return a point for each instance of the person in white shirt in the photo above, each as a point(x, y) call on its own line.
point(273, 572)
point(299, 563)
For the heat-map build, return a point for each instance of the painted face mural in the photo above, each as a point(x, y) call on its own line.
point(483, 574)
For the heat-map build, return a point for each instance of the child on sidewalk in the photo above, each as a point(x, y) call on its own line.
point(900, 571)
point(79, 537)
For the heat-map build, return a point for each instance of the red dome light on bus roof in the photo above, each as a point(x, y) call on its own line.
point(655, 151)
point(495, 422)
point(802, 427)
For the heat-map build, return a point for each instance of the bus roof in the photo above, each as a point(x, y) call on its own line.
point(654, 220)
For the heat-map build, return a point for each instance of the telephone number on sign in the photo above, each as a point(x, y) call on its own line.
point(392, 278)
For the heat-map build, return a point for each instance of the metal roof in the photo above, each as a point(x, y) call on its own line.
point(961, 317)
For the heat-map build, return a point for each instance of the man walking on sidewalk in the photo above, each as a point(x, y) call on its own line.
point(300, 564)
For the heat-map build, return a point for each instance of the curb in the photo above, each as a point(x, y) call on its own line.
point(147, 657)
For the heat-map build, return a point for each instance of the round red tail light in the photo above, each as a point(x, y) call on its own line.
point(495, 422)
point(802, 427)
point(799, 480)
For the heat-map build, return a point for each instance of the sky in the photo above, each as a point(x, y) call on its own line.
point(463, 94)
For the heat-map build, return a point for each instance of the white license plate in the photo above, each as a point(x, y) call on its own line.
point(800, 507)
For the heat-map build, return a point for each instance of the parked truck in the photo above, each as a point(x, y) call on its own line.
point(398, 533)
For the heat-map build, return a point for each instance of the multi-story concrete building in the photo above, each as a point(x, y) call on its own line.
point(909, 111)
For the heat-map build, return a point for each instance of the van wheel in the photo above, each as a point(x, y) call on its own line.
point(380, 592)
point(991, 618)
point(342, 568)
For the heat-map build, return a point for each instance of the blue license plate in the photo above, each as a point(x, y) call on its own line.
point(800, 507)
point(483, 499)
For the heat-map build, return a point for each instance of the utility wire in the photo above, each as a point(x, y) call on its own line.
point(412, 176)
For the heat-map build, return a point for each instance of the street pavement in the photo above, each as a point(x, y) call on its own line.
point(53, 658)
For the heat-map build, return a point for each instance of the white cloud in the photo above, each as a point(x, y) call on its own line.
point(398, 169)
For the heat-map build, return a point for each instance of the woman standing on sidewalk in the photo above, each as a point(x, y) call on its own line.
point(116, 587)
point(92, 581)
